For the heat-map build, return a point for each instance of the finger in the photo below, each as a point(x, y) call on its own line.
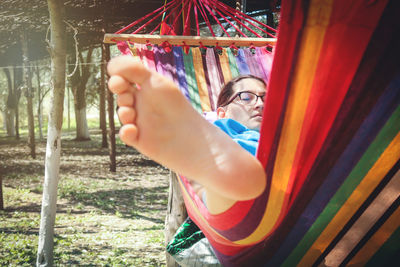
point(129, 134)
point(125, 99)
point(129, 68)
point(127, 115)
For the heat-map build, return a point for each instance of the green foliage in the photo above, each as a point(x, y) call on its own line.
point(17, 250)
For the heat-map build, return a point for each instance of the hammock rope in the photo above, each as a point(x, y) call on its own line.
point(212, 12)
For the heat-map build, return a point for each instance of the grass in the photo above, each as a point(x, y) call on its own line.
point(103, 218)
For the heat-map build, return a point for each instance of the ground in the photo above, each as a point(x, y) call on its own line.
point(103, 218)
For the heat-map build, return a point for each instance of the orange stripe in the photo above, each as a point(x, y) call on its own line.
point(201, 80)
point(226, 70)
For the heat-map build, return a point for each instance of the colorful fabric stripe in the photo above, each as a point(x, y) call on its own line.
point(344, 166)
point(232, 63)
point(200, 76)
point(224, 63)
point(330, 141)
point(264, 58)
point(201, 79)
point(181, 71)
point(165, 63)
point(214, 76)
point(242, 65)
point(330, 138)
point(253, 62)
point(191, 81)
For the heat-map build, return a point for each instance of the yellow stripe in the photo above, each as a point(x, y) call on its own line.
point(377, 240)
point(224, 61)
point(201, 80)
point(309, 53)
point(386, 161)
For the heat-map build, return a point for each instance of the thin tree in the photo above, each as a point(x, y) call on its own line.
point(18, 84)
point(111, 124)
point(1, 193)
point(10, 105)
point(102, 100)
point(53, 149)
point(29, 94)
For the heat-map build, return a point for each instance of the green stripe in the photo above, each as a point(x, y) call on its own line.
point(232, 63)
point(387, 252)
point(191, 81)
point(381, 142)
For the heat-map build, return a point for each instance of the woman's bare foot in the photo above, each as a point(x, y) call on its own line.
point(160, 123)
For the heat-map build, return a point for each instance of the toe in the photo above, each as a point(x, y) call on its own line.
point(128, 134)
point(125, 99)
point(129, 68)
point(127, 115)
point(118, 85)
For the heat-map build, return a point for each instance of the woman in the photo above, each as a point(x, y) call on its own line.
point(239, 111)
point(160, 123)
point(242, 100)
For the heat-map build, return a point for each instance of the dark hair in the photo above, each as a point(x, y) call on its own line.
point(227, 90)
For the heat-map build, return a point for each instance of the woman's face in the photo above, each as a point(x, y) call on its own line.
point(248, 113)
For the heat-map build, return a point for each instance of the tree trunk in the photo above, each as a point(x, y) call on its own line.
point(78, 82)
point(111, 124)
point(69, 109)
point(29, 94)
point(16, 125)
point(82, 130)
point(102, 89)
point(10, 122)
point(1, 193)
point(176, 214)
point(17, 81)
point(10, 106)
point(4, 113)
point(39, 106)
point(53, 148)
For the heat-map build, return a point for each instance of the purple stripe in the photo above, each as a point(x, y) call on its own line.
point(241, 63)
point(253, 63)
point(180, 70)
point(165, 63)
point(265, 60)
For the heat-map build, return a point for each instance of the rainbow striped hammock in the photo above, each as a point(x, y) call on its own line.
point(330, 140)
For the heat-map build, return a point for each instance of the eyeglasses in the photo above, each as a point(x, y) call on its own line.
point(246, 98)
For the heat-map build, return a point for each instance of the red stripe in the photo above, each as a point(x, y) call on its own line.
point(286, 56)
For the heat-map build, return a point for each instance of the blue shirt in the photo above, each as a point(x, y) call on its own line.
point(246, 138)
